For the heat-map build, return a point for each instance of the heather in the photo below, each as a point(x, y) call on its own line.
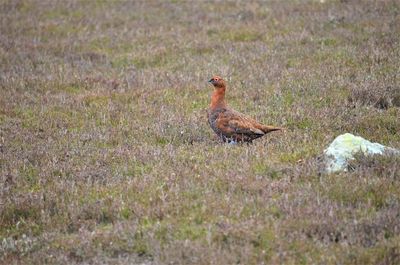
point(106, 156)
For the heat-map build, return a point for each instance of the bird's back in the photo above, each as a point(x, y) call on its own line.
point(233, 125)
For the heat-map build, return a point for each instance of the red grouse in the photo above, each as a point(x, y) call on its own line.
point(228, 124)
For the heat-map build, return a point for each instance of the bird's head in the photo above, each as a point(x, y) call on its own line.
point(217, 81)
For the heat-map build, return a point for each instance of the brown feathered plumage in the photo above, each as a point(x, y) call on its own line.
point(228, 124)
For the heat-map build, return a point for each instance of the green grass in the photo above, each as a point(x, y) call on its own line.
point(106, 155)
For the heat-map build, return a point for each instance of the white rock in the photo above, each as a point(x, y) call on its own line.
point(343, 148)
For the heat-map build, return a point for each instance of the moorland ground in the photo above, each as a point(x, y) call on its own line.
point(106, 155)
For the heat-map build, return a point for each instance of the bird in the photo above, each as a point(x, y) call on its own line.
point(230, 125)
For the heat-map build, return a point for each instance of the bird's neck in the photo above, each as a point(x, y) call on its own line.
point(218, 98)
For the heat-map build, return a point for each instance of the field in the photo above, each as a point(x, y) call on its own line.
point(106, 156)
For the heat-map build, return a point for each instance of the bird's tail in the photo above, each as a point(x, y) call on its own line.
point(268, 129)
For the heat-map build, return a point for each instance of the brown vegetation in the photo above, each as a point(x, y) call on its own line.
point(105, 155)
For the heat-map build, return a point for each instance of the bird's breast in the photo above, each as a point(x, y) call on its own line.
point(213, 115)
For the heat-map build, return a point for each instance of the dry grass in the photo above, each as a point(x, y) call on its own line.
point(106, 155)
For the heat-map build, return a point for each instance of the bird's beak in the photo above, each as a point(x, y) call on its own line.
point(210, 81)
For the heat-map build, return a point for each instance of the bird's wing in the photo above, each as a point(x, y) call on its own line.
point(231, 122)
point(241, 126)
